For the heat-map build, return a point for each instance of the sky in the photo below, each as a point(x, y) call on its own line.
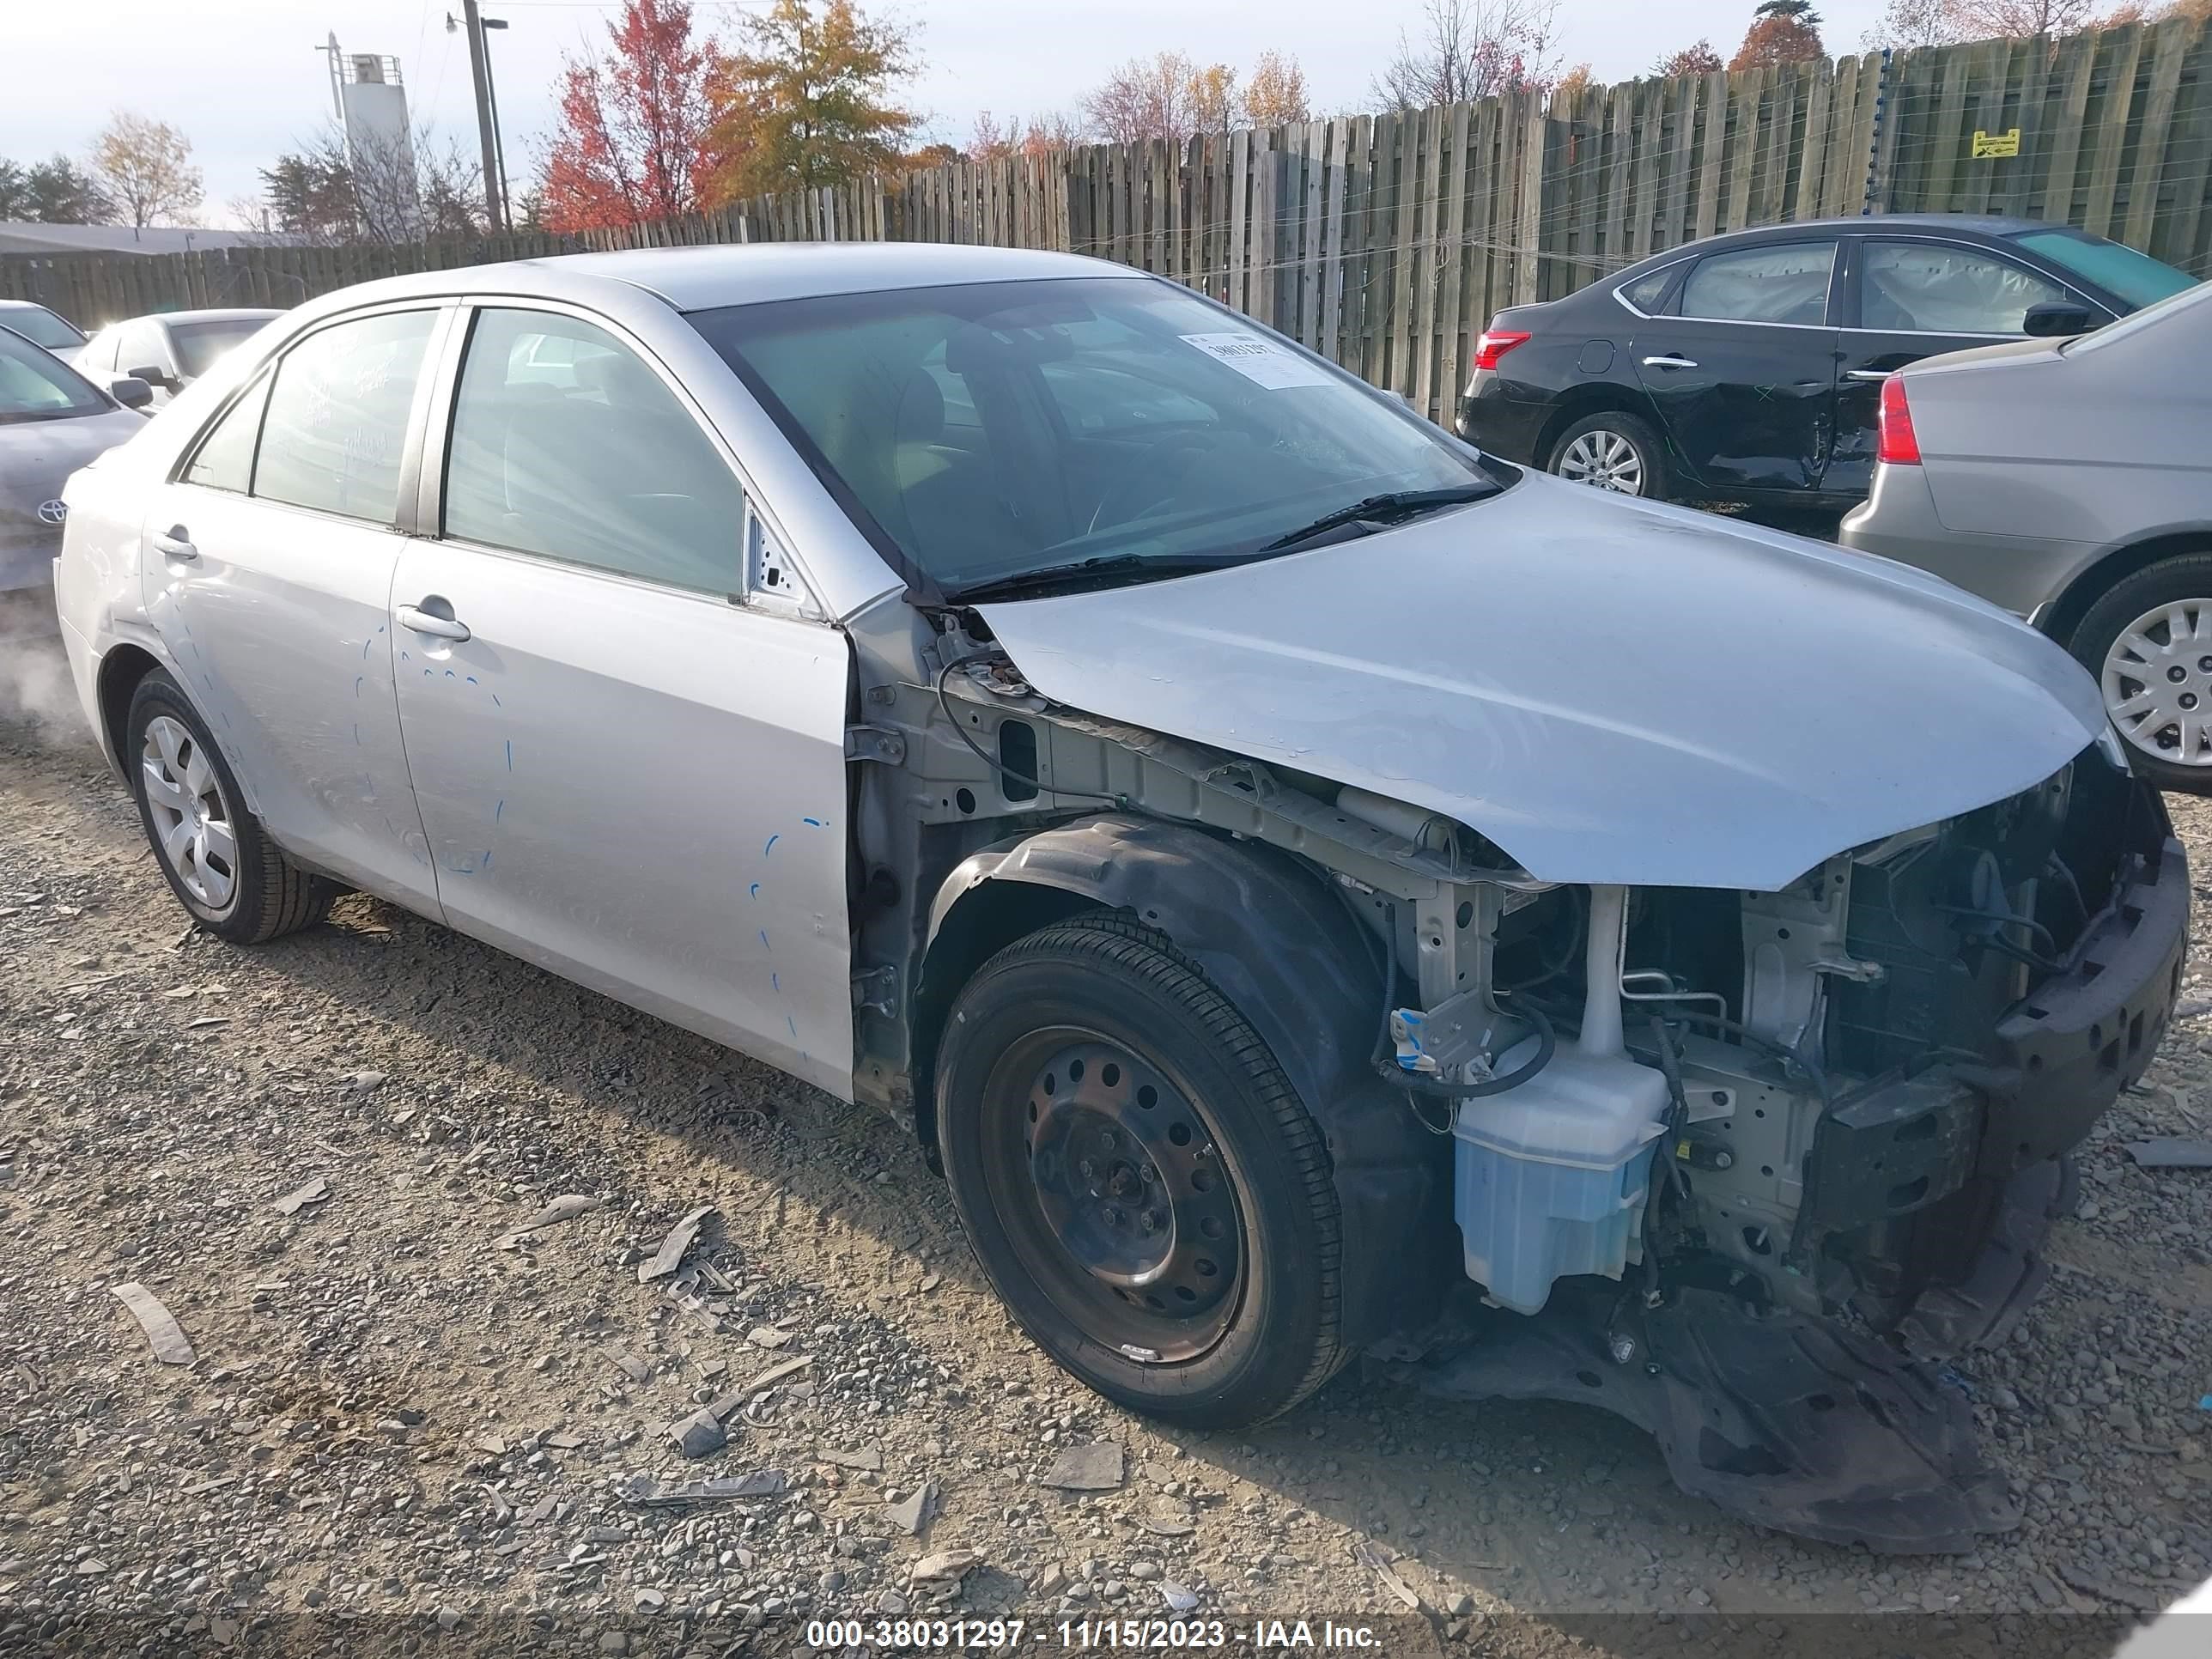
point(243, 81)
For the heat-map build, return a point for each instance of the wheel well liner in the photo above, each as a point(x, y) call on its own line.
point(1588, 399)
point(1262, 925)
point(120, 670)
point(2065, 612)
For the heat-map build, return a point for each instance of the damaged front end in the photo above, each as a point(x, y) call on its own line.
point(1637, 1091)
point(1868, 1085)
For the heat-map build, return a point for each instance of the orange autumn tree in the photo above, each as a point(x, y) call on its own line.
point(1781, 31)
point(809, 99)
point(634, 138)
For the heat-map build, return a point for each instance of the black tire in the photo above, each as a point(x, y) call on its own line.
point(2184, 579)
point(1272, 1337)
point(270, 896)
point(1657, 482)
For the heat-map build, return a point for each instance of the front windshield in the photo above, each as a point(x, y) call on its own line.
point(40, 327)
point(985, 430)
point(2134, 277)
point(199, 345)
point(37, 385)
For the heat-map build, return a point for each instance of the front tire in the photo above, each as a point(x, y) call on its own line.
point(2149, 643)
point(1612, 451)
point(219, 861)
point(1138, 1179)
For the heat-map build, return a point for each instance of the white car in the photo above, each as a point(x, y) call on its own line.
point(171, 351)
point(1281, 865)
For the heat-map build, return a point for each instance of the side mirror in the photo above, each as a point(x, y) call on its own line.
point(2057, 319)
point(131, 390)
point(152, 377)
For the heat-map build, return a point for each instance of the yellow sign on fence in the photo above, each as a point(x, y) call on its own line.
point(1990, 145)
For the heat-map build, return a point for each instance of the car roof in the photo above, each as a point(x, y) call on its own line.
point(27, 305)
point(751, 273)
point(1874, 224)
point(218, 314)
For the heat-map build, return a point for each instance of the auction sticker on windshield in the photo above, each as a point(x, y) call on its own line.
point(1260, 360)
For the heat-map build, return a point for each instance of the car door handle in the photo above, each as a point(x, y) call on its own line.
point(174, 543)
point(422, 622)
point(1668, 363)
point(1868, 374)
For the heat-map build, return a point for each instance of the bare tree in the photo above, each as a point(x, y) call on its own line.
point(1470, 49)
point(1907, 25)
point(375, 192)
point(1164, 96)
point(992, 140)
point(146, 168)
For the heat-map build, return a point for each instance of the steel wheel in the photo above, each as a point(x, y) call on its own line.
point(1109, 1176)
point(2157, 682)
point(193, 828)
point(1605, 457)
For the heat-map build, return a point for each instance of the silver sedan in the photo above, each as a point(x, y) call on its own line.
point(2069, 481)
point(1223, 816)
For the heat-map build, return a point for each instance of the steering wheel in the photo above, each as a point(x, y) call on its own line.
point(1166, 480)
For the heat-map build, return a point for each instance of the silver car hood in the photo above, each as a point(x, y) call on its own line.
point(1611, 691)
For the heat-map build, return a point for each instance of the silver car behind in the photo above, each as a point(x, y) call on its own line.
point(2069, 482)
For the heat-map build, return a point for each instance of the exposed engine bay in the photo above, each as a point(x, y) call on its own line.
point(1740, 1165)
point(1814, 1095)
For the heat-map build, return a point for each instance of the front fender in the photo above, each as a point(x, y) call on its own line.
point(1265, 930)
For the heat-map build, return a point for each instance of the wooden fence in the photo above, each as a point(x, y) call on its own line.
point(1386, 241)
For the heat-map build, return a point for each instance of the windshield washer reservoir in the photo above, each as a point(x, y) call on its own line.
point(1550, 1177)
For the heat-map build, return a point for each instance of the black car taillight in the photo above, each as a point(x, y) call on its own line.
point(1494, 342)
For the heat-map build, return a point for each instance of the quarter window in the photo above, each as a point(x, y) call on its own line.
point(337, 419)
point(565, 444)
point(1647, 291)
point(225, 458)
point(1783, 282)
point(1932, 288)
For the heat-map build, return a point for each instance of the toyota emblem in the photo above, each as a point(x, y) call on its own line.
point(53, 512)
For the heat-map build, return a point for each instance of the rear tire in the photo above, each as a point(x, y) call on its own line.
point(1613, 451)
point(1138, 1179)
point(219, 861)
point(2160, 718)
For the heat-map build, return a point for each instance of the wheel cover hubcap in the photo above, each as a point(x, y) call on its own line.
point(2157, 683)
point(1127, 1187)
point(1606, 459)
point(193, 829)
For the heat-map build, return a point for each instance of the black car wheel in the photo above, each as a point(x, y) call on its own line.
point(1610, 450)
point(1139, 1182)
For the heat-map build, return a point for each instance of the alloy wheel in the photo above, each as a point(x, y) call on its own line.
point(1110, 1180)
point(192, 823)
point(1606, 459)
point(2157, 683)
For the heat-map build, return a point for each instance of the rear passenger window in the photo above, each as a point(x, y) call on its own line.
point(337, 418)
point(1933, 288)
point(565, 444)
point(1786, 282)
point(225, 458)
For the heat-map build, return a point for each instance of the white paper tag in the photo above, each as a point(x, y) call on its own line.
point(1260, 360)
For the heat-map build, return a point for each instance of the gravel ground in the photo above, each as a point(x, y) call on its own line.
point(404, 1416)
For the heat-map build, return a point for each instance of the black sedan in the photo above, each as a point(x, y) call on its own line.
point(1748, 368)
